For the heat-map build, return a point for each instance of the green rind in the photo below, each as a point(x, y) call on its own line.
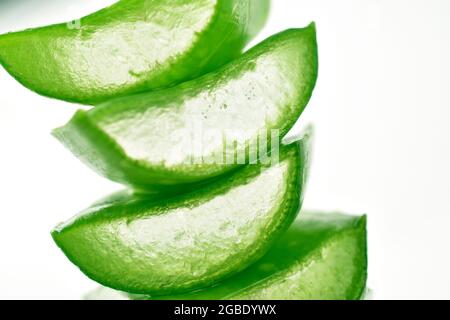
point(51, 61)
point(102, 240)
point(89, 137)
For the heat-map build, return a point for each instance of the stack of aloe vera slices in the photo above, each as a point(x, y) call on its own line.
point(194, 129)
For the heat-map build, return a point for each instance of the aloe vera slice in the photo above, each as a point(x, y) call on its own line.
point(131, 46)
point(322, 256)
point(181, 243)
point(150, 140)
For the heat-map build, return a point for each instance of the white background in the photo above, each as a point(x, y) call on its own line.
point(382, 116)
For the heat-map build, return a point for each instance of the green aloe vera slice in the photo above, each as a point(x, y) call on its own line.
point(322, 256)
point(190, 241)
point(150, 141)
point(131, 46)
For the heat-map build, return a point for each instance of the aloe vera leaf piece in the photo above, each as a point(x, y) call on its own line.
point(185, 242)
point(131, 46)
point(151, 141)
